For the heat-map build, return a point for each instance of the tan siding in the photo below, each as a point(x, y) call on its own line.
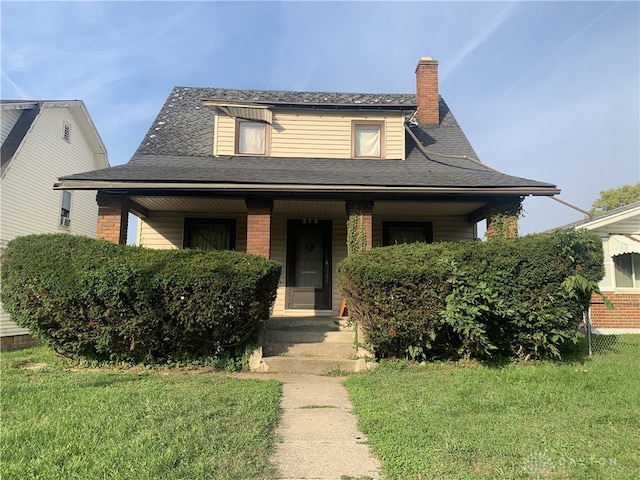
point(165, 230)
point(278, 253)
point(445, 229)
point(226, 131)
point(315, 135)
point(29, 204)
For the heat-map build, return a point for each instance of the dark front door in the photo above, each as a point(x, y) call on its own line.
point(309, 264)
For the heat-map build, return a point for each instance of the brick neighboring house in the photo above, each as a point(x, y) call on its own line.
point(619, 230)
point(42, 140)
point(280, 173)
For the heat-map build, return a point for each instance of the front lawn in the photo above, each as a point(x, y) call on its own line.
point(90, 424)
point(573, 420)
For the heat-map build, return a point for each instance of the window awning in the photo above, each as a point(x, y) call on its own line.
point(260, 113)
point(621, 244)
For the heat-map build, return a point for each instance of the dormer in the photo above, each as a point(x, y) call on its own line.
point(357, 126)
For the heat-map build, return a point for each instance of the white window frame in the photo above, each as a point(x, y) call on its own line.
point(635, 271)
point(240, 123)
point(355, 125)
point(65, 208)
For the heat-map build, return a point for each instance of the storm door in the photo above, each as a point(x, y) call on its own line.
point(309, 264)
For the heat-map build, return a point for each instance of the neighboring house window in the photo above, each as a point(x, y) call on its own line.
point(251, 137)
point(627, 267)
point(65, 209)
point(367, 139)
point(66, 131)
point(210, 233)
point(406, 232)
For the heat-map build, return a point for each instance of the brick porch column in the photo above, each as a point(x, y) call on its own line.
point(502, 219)
point(113, 217)
point(362, 213)
point(259, 226)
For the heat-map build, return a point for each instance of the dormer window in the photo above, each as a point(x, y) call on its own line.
point(251, 137)
point(367, 139)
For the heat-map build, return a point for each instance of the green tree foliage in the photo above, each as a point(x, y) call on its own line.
point(615, 198)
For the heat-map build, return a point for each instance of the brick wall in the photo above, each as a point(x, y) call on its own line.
point(17, 342)
point(626, 313)
point(259, 227)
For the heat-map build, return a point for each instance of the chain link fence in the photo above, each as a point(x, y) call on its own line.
point(611, 333)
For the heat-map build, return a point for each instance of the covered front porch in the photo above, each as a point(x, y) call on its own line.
point(308, 235)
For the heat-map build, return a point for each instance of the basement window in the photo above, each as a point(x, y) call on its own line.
point(394, 233)
point(210, 233)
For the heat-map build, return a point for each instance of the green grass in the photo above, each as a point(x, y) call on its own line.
point(572, 420)
point(90, 424)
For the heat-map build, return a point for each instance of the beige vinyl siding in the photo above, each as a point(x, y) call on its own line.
point(165, 230)
point(300, 133)
point(445, 229)
point(28, 202)
point(225, 135)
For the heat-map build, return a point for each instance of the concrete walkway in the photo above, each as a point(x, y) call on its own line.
point(320, 437)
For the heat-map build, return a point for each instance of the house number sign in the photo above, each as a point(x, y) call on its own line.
point(310, 220)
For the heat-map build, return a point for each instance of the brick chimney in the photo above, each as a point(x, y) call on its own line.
point(427, 90)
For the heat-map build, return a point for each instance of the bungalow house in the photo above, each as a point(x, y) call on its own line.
point(619, 230)
point(42, 140)
point(281, 174)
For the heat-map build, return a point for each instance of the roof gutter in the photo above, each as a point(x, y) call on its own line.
point(280, 188)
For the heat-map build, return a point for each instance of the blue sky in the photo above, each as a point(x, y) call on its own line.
point(543, 90)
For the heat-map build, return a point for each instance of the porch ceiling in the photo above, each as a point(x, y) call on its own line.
point(304, 207)
point(191, 204)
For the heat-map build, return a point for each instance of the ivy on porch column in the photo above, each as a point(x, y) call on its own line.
point(359, 226)
point(113, 217)
point(502, 218)
point(259, 226)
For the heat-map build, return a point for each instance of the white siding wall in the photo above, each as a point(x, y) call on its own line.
point(27, 201)
point(307, 134)
point(8, 119)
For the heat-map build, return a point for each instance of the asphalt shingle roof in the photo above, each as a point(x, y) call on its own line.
point(178, 148)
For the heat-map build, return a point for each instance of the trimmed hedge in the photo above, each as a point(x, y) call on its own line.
point(94, 299)
point(520, 297)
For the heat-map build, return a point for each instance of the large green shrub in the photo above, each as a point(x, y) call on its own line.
point(97, 300)
point(516, 297)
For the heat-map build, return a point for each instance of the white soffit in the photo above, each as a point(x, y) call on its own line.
point(621, 244)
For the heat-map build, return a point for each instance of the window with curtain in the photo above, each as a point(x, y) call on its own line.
point(394, 233)
point(627, 270)
point(251, 138)
point(367, 139)
point(210, 233)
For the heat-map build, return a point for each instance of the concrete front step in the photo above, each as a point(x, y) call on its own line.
point(308, 335)
point(329, 323)
point(333, 350)
point(314, 366)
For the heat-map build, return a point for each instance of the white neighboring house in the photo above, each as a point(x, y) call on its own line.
point(42, 140)
point(619, 230)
